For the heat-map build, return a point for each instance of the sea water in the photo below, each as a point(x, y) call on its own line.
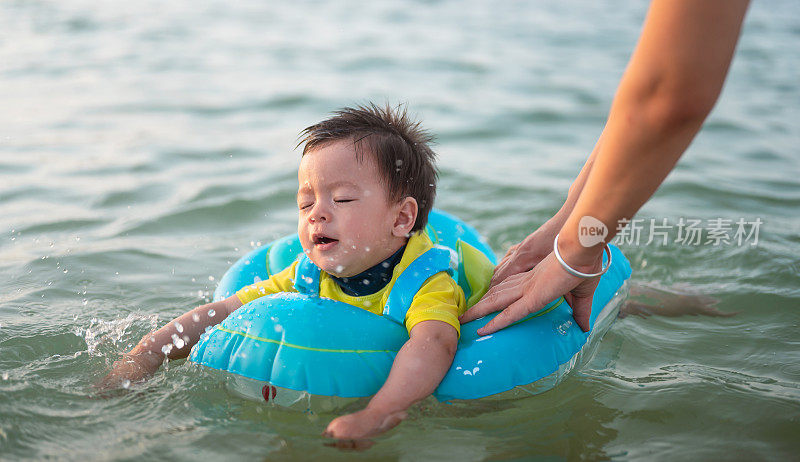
point(145, 146)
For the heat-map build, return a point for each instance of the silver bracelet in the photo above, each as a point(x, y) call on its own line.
point(575, 272)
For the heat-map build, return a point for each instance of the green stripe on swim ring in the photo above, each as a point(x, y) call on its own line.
point(326, 347)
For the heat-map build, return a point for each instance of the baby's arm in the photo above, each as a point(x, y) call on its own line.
point(417, 370)
point(174, 341)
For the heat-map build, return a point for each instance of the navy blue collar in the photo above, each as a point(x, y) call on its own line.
point(371, 280)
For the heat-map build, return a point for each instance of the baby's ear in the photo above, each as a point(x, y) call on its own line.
point(406, 217)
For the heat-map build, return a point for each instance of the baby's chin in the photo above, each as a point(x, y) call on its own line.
point(339, 269)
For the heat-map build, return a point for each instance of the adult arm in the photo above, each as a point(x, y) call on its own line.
point(672, 82)
point(528, 253)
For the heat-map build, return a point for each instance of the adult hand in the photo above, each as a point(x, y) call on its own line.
point(524, 256)
point(525, 293)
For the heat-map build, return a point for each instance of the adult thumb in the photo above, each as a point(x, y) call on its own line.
point(582, 311)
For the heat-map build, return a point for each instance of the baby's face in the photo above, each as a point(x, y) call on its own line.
point(346, 223)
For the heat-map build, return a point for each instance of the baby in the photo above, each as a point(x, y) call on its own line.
point(366, 184)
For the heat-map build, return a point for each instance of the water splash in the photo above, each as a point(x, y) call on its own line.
point(110, 337)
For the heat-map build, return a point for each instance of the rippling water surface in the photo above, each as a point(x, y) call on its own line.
point(144, 146)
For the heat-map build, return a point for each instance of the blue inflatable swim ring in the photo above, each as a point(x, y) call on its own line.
point(325, 347)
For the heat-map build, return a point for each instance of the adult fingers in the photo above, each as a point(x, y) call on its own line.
point(511, 250)
point(516, 311)
point(582, 312)
point(497, 298)
point(505, 270)
point(520, 262)
point(500, 272)
point(507, 258)
point(525, 257)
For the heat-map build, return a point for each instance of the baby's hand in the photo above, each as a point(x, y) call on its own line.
point(363, 424)
point(129, 369)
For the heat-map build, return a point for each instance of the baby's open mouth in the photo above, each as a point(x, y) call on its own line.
point(322, 240)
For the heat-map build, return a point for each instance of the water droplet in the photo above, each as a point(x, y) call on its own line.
point(166, 348)
point(178, 326)
point(398, 162)
point(385, 264)
point(211, 278)
point(339, 268)
point(126, 384)
point(211, 313)
point(365, 281)
point(195, 317)
point(5, 375)
point(177, 341)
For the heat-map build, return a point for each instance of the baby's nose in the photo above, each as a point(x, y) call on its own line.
point(319, 214)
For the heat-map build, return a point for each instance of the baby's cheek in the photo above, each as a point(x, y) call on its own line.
point(350, 244)
point(305, 243)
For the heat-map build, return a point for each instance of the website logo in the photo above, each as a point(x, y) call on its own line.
point(591, 231)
